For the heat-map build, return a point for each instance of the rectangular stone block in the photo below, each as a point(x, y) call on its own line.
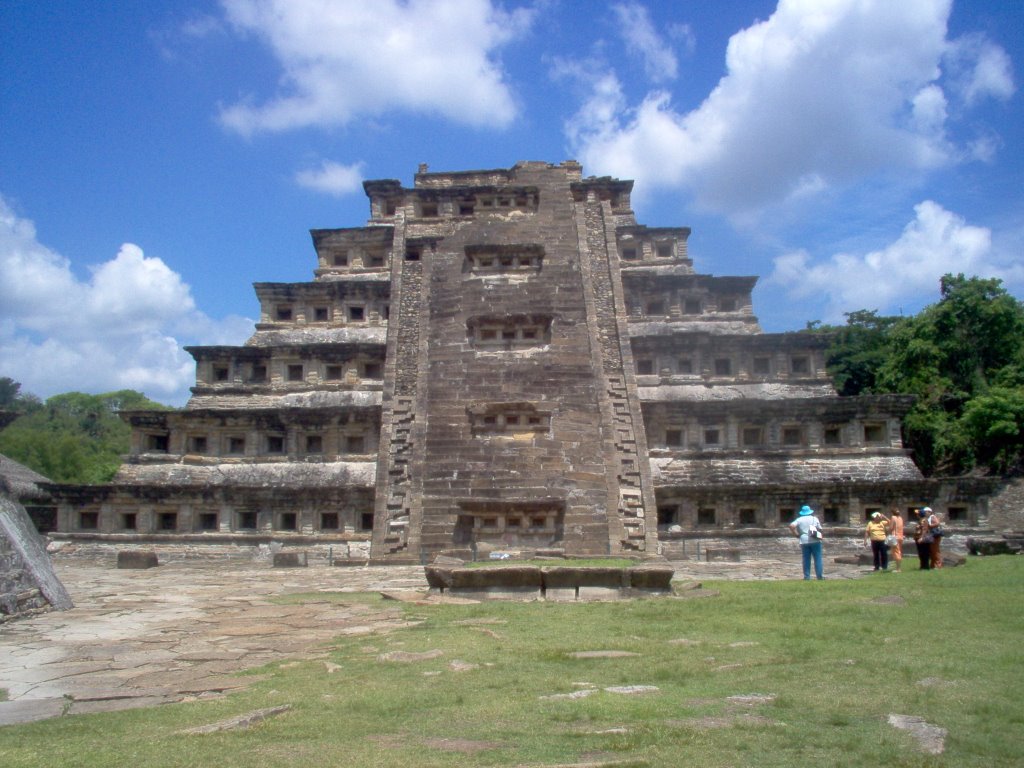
point(136, 559)
point(290, 560)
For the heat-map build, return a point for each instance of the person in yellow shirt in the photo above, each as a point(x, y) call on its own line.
point(875, 532)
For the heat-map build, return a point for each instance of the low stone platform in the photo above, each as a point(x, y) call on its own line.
point(557, 582)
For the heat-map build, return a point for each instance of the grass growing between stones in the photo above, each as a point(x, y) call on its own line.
point(766, 673)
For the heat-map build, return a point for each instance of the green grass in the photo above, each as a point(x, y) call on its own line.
point(836, 660)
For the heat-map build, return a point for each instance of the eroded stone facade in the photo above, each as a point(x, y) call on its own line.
point(505, 358)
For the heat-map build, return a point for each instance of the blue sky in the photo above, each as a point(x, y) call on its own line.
point(157, 158)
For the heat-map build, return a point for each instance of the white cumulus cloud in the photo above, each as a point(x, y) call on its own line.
point(332, 178)
point(643, 40)
point(122, 328)
point(935, 243)
point(824, 90)
point(343, 59)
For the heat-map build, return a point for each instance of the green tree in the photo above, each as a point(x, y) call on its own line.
point(12, 399)
point(74, 437)
point(994, 422)
point(858, 350)
point(949, 355)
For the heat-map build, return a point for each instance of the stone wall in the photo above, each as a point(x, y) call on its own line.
point(1006, 507)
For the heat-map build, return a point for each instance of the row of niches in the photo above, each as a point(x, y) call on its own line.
point(500, 259)
point(652, 250)
point(689, 516)
point(364, 313)
point(509, 419)
point(511, 332)
point(739, 435)
point(329, 443)
point(206, 520)
point(739, 365)
point(353, 258)
point(288, 372)
point(433, 205)
point(674, 305)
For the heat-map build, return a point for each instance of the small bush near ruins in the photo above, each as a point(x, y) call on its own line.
point(762, 673)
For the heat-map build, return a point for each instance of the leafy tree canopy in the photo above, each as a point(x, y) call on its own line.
point(74, 437)
point(963, 357)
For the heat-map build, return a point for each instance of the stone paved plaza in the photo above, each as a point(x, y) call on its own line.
point(139, 638)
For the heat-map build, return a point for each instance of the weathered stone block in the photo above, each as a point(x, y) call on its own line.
point(991, 546)
point(290, 560)
point(650, 577)
point(560, 595)
point(505, 577)
point(556, 577)
point(599, 593)
point(439, 576)
point(730, 554)
point(137, 559)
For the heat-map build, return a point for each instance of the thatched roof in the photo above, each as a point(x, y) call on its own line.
point(20, 482)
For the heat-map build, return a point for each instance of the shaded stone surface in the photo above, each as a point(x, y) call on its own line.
point(290, 560)
point(137, 559)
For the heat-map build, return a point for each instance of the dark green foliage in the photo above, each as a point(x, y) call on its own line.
point(74, 437)
point(963, 358)
point(11, 398)
point(858, 350)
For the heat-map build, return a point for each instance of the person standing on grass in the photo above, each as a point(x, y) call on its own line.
point(808, 528)
point(935, 529)
point(875, 532)
point(896, 531)
point(923, 539)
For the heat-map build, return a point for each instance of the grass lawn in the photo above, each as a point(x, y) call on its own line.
point(773, 673)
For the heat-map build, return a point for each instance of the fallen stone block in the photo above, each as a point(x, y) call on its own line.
point(137, 559)
point(991, 546)
point(290, 560)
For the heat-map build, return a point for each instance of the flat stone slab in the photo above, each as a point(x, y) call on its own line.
point(603, 654)
point(931, 738)
point(407, 657)
point(30, 710)
point(240, 722)
point(145, 637)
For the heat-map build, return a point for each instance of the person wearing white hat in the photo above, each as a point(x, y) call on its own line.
point(874, 533)
point(808, 528)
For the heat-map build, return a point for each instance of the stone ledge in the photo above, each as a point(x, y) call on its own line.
point(563, 582)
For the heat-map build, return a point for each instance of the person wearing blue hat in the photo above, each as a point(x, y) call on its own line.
point(808, 528)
